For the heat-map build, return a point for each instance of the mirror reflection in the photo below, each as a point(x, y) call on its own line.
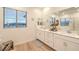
point(67, 19)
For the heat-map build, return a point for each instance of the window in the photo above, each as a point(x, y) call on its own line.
point(21, 22)
point(10, 18)
point(64, 22)
point(14, 18)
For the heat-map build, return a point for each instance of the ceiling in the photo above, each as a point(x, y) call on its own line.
point(57, 9)
point(53, 9)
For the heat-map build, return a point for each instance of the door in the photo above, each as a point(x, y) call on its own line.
point(49, 38)
point(58, 43)
point(40, 35)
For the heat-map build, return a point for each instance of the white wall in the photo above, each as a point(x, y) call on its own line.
point(75, 18)
point(19, 35)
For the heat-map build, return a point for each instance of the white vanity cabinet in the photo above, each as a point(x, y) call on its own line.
point(49, 39)
point(65, 43)
point(70, 46)
point(45, 36)
point(40, 35)
point(58, 43)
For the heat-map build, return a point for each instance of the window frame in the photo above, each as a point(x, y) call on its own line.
point(16, 17)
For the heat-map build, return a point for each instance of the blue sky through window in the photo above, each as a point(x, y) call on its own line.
point(64, 22)
point(14, 18)
point(21, 19)
point(10, 16)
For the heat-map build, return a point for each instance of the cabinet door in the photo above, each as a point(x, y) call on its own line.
point(58, 43)
point(62, 44)
point(71, 46)
point(49, 39)
point(40, 35)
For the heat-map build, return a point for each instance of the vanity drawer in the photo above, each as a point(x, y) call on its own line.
point(57, 36)
point(70, 46)
point(72, 39)
point(65, 43)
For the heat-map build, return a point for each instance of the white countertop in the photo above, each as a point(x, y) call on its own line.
point(74, 35)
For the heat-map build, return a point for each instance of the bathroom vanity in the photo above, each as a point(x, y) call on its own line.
point(66, 41)
point(60, 41)
point(64, 36)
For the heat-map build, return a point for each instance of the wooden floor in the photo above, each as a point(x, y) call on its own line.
point(35, 45)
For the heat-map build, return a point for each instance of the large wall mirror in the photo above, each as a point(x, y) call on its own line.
point(65, 22)
point(68, 18)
